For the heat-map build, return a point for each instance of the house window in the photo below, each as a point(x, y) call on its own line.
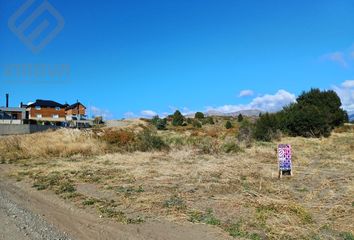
point(57, 108)
point(56, 116)
point(38, 107)
point(39, 116)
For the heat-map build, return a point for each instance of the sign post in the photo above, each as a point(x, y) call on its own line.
point(284, 159)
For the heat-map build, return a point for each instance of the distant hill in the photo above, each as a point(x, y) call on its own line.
point(249, 113)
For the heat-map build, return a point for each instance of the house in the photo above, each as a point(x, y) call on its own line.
point(12, 115)
point(46, 111)
point(75, 111)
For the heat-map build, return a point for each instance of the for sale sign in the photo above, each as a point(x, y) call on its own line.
point(284, 158)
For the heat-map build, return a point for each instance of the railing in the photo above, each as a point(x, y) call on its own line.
point(10, 121)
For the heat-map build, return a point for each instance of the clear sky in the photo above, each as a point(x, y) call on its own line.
point(137, 57)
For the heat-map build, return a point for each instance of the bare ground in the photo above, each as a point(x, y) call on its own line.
point(184, 193)
point(28, 214)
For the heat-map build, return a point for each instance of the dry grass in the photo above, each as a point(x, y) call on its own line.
point(238, 191)
point(61, 143)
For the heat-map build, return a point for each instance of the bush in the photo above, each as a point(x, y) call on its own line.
point(266, 127)
point(240, 118)
point(197, 124)
point(316, 113)
point(199, 115)
point(177, 119)
point(245, 133)
point(159, 123)
point(228, 125)
point(148, 141)
point(118, 137)
point(231, 147)
point(204, 145)
point(307, 121)
point(327, 102)
point(155, 119)
point(204, 217)
point(208, 120)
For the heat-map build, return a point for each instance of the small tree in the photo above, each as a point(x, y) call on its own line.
point(177, 119)
point(240, 118)
point(228, 125)
point(199, 115)
point(314, 114)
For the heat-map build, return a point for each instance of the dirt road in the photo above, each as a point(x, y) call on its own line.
point(18, 223)
point(27, 214)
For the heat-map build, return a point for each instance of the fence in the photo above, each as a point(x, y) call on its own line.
point(14, 129)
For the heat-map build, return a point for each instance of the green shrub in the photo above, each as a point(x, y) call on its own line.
point(266, 127)
point(159, 123)
point(245, 133)
point(148, 141)
point(347, 236)
point(207, 120)
point(307, 121)
point(231, 147)
point(197, 124)
point(177, 119)
point(237, 230)
point(207, 217)
point(228, 125)
point(65, 187)
point(89, 202)
point(199, 115)
point(155, 119)
point(240, 118)
point(327, 102)
point(316, 113)
point(204, 145)
point(175, 202)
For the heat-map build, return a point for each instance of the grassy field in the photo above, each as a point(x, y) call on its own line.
point(203, 176)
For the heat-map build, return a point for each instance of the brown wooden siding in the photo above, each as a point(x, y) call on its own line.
point(82, 111)
point(46, 112)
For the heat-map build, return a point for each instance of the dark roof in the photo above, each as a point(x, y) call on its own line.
point(45, 103)
point(74, 106)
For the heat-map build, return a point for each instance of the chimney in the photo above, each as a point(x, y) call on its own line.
point(7, 100)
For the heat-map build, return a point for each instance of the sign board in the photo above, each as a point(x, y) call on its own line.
point(284, 159)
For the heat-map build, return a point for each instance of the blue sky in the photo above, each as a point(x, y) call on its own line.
point(137, 57)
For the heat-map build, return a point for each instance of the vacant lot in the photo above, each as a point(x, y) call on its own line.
point(217, 182)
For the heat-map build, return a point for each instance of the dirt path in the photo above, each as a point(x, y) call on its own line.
point(18, 223)
point(27, 214)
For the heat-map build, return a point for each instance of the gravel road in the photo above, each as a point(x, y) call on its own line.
point(18, 223)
